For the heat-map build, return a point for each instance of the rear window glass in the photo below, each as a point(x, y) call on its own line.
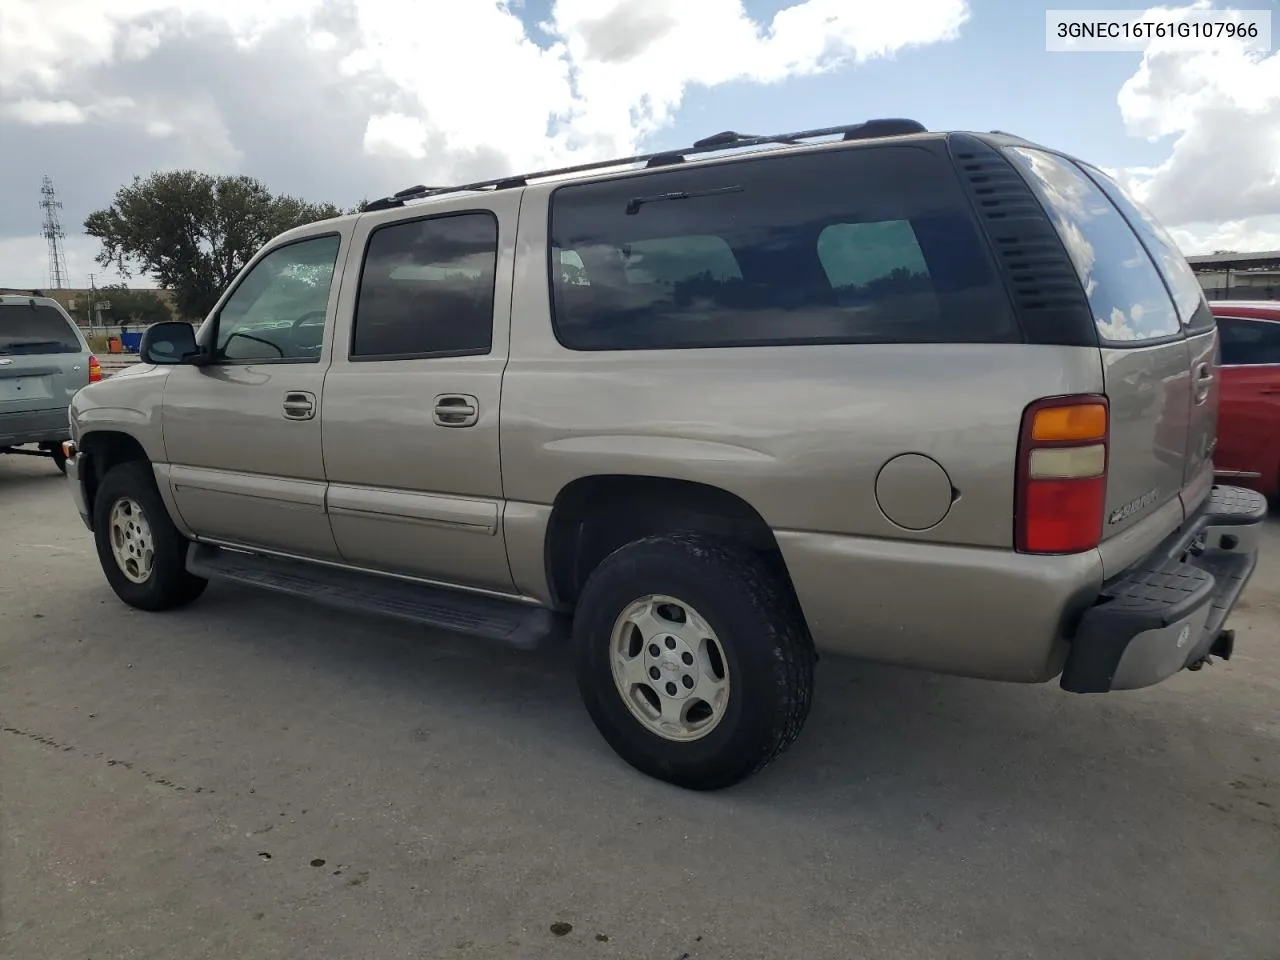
point(1188, 295)
point(1127, 296)
point(867, 245)
point(27, 329)
point(1245, 342)
point(427, 289)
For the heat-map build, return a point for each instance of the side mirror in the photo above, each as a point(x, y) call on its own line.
point(170, 342)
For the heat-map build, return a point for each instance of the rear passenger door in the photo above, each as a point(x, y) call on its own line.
point(411, 403)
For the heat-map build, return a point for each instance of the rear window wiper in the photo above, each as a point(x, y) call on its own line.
point(635, 203)
point(31, 344)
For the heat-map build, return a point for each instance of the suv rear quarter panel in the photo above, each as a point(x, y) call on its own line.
point(801, 433)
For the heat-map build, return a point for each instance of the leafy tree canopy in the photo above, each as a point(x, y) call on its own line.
point(135, 306)
point(194, 232)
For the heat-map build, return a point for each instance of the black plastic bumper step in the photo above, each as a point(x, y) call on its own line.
point(495, 619)
point(1230, 506)
point(1156, 596)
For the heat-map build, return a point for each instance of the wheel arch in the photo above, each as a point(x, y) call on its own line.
point(594, 515)
point(104, 449)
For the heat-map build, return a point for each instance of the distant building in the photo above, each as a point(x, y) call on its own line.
point(1239, 276)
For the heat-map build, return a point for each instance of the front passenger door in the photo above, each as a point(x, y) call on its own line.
point(242, 434)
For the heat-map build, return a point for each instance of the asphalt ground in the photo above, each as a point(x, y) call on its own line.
point(255, 778)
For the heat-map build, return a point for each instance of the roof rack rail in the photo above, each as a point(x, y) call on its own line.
point(726, 140)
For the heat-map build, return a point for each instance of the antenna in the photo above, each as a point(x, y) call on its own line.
point(52, 232)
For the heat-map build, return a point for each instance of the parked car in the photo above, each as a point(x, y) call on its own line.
point(1248, 451)
point(44, 360)
point(944, 400)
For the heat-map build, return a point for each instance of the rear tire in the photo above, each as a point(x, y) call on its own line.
point(692, 659)
point(142, 553)
point(59, 459)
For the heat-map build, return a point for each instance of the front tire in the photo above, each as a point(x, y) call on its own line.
point(692, 660)
point(142, 553)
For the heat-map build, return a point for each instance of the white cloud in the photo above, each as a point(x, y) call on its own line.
point(468, 76)
point(396, 135)
point(1219, 188)
point(26, 263)
point(41, 41)
point(337, 99)
point(632, 60)
point(41, 112)
point(1242, 236)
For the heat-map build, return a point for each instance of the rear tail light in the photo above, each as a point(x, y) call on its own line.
point(95, 369)
point(1062, 474)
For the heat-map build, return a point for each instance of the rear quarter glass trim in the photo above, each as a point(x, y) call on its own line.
point(1041, 281)
point(959, 298)
point(1180, 280)
point(1127, 294)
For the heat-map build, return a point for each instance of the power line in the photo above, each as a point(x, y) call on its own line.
point(52, 232)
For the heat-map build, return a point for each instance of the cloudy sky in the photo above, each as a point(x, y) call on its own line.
point(344, 99)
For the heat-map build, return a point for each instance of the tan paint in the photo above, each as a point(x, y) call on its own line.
point(800, 433)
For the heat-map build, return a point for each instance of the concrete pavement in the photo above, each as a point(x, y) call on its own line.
point(252, 778)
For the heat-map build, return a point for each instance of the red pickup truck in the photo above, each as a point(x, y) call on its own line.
point(1248, 451)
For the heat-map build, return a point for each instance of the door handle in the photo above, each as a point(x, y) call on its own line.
point(1204, 377)
point(456, 410)
point(299, 405)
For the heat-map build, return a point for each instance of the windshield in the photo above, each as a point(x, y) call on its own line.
point(27, 328)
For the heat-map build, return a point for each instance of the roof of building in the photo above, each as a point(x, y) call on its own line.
point(1263, 260)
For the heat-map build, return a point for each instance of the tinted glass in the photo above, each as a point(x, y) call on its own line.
point(426, 289)
point(1188, 295)
point(27, 329)
point(278, 310)
point(863, 245)
point(1248, 341)
point(1127, 296)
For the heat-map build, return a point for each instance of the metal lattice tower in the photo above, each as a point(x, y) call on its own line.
point(52, 232)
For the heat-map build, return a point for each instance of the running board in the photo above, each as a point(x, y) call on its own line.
point(489, 617)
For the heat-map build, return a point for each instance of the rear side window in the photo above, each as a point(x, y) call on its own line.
point(27, 328)
point(1188, 295)
point(864, 245)
point(426, 289)
point(1245, 342)
point(1126, 293)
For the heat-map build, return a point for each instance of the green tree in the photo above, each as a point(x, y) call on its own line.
point(194, 232)
point(134, 306)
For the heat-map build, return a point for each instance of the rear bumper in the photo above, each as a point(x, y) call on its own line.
point(34, 426)
point(1168, 611)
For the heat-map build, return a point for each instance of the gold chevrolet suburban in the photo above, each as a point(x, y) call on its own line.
point(944, 400)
